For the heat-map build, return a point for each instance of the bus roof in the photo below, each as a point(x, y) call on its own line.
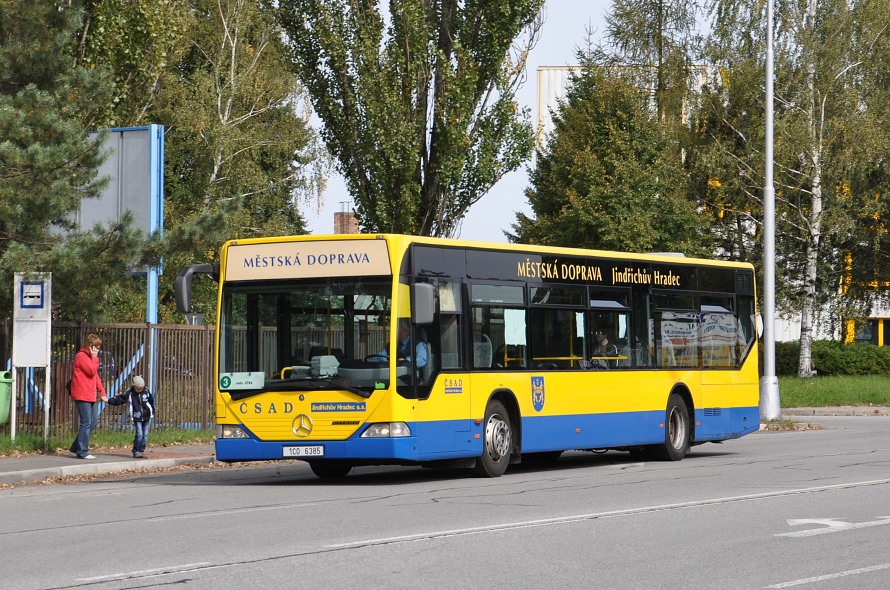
point(402, 241)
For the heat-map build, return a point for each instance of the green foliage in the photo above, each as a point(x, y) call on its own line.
point(787, 356)
point(654, 42)
point(832, 358)
point(418, 109)
point(239, 153)
point(862, 390)
point(608, 177)
point(726, 133)
point(867, 140)
point(240, 156)
point(48, 163)
point(137, 40)
point(829, 141)
point(612, 174)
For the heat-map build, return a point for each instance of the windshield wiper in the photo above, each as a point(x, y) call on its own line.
point(344, 383)
point(243, 393)
point(302, 384)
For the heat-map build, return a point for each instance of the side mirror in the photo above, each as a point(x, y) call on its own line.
point(183, 284)
point(423, 303)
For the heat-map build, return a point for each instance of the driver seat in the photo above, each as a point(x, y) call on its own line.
point(428, 370)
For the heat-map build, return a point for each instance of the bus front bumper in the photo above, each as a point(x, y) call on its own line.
point(384, 449)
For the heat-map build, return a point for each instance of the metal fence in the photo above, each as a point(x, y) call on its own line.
point(176, 362)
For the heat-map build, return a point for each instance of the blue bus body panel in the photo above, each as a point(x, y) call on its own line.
point(741, 421)
point(453, 439)
point(429, 441)
point(591, 431)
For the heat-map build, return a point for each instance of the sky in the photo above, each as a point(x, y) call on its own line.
point(564, 30)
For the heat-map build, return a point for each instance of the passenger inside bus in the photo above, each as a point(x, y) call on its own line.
point(602, 351)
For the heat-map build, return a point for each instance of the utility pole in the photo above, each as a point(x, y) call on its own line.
point(769, 383)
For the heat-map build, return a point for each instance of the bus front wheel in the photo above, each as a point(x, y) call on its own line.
point(330, 469)
point(676, 431)
point(497, 441)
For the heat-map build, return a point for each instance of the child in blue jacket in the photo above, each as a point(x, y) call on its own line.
point(142, 410)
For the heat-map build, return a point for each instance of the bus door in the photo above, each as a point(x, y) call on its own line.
point(718, 338)
point(443, 386)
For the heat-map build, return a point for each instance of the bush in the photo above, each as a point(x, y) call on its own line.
point(834, 358)
point(787, 355)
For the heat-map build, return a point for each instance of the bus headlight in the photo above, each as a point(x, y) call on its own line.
point(230, 431)
point(387, 430)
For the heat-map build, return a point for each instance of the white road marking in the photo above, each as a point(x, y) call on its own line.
point(831, 525)
point(597, 515)
point(173, 569)
point(862, 570)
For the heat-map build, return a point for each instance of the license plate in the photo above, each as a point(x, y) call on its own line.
point(305, 451)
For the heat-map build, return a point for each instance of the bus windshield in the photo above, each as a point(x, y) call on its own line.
point(278, 335)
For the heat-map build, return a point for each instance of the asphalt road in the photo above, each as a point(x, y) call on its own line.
point(805, 510)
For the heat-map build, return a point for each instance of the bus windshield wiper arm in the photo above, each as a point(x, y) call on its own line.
point(301, 385)
point(315, 384)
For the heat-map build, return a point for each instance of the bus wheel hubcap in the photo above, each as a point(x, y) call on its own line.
point(497, 438)
point(677, 430)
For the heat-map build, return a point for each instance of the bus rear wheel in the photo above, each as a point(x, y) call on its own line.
point(676, 431)
point(330, 469)
point(497, 444)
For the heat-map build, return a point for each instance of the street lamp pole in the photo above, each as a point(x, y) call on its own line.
point(769, 383)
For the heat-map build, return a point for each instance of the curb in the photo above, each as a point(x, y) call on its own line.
point(38, 475)
point(837, 411)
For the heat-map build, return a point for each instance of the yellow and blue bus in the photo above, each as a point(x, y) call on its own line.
point(502, 352)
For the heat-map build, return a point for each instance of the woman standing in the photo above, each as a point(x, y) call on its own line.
point(85, 386)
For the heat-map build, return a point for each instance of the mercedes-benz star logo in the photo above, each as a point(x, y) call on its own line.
point(302, 425)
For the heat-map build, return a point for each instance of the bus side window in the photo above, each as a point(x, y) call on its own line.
point(677, 339)
point(642, 333)
point(509, 347)
point(482, 352)
point(449, 341)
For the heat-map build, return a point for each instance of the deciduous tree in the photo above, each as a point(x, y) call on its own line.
point(826, 123)
point(240, 156)
point(417, 100)
point(136, 41)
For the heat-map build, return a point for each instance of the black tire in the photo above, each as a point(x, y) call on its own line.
point(677, 431)
point(330, 469)
point(497, 441)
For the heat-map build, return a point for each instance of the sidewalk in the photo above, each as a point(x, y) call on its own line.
point(36, 468)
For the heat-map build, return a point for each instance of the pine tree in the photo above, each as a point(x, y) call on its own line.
point(48, 163)
point(608, 177)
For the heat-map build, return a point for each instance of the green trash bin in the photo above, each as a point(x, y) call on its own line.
point(5, 395)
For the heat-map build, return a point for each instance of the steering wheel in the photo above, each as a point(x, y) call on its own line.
point(376, 358)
